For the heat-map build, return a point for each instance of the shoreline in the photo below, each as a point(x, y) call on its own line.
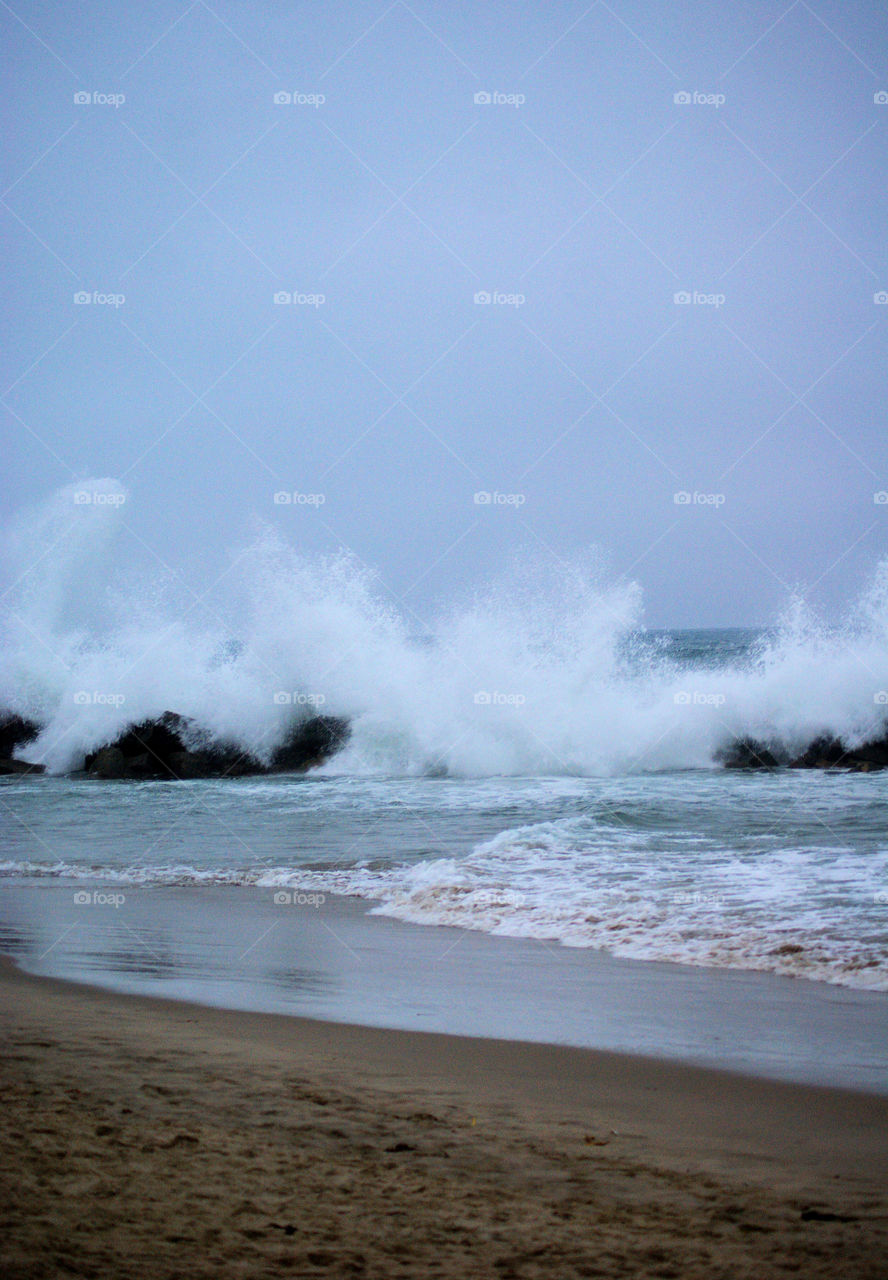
point(236, 948)
point(196, 1137)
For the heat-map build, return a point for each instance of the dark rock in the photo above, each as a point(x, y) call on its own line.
point(823, 753)
point(830, 753)
point(746, 753)
point(172, 747)
point(10, 766)
point(107, 762)
point(165, 748)
point(310, 743)
point(144, 750)
point(14, 730)
point(215, 760)
point(151, 744)
point(872, 755)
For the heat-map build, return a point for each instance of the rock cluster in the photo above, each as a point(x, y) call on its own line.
point(825, 752)
point(15, 731)
point(173, 747)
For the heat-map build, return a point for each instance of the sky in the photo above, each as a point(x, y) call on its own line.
point(453, 283)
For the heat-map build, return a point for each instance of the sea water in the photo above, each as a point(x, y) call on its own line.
point(530, 763)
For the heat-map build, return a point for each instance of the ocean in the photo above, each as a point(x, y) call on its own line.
point(535, 764)
point(784, 871)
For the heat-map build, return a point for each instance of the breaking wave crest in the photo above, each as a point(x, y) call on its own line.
point(545, 672)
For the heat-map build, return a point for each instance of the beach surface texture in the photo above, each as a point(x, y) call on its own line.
point(151, 1138)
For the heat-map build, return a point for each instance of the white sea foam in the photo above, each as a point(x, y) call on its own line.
point(757, 903)
point(539, 675)
point(762, 904)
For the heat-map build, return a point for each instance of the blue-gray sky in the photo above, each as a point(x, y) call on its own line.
point(583, 197)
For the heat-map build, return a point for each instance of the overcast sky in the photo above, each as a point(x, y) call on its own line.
point(544, 156)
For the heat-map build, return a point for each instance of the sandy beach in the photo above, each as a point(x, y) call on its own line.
point(151, 1137)
point(236, 948)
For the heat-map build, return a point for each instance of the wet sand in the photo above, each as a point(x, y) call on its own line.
point(235, 947)
point(158, 1138)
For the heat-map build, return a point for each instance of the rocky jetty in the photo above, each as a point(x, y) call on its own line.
point(173, 747)
point(16, 732)
point(309, 743)
point(164, 748)
point(746, 753)
point(825, 752)
point(831, 753)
